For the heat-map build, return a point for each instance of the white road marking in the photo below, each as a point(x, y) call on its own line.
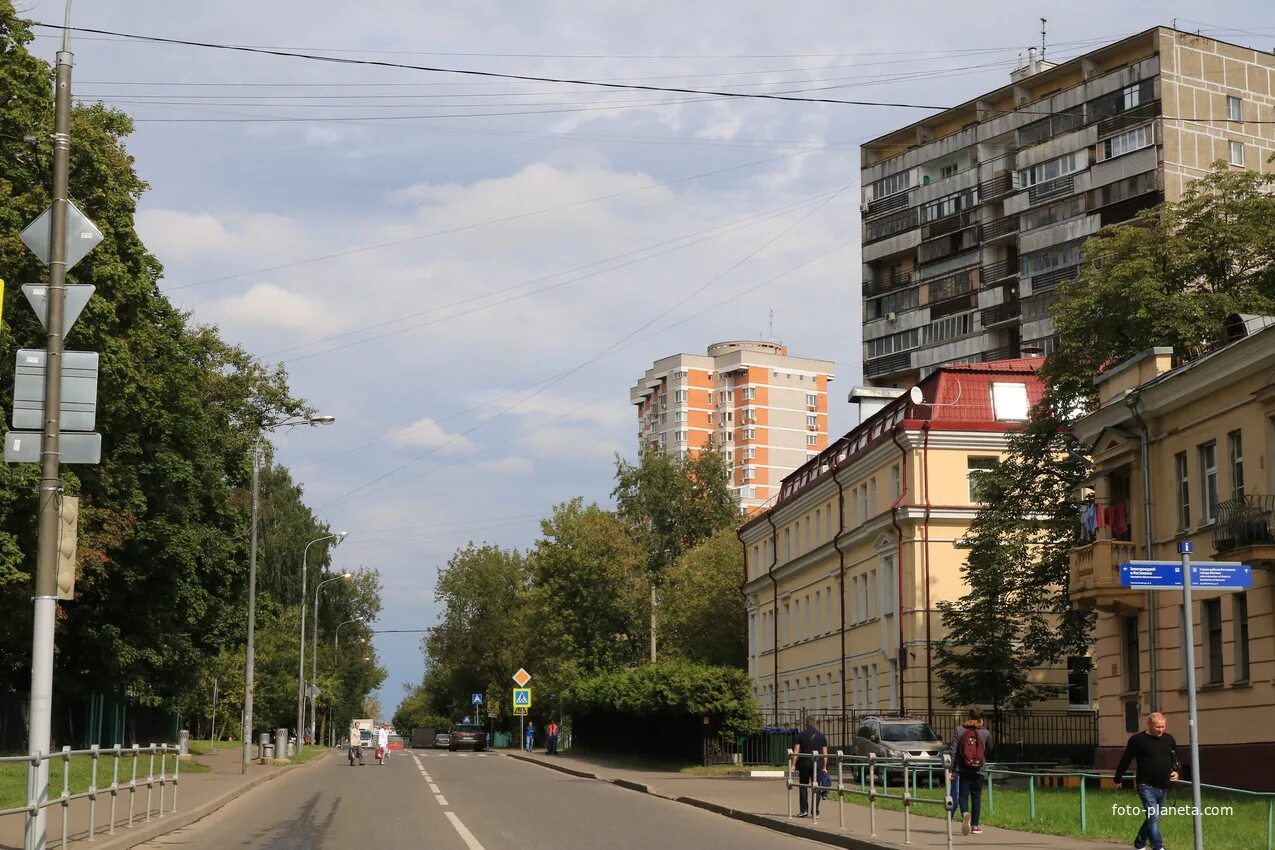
point(434, 789)
point(465, 834)
point(442, 801)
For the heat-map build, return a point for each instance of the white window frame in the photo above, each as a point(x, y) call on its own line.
point(1208, 482)
point(1236, 153)
point(1234, 108)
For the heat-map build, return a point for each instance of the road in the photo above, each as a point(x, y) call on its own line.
point(458, 801)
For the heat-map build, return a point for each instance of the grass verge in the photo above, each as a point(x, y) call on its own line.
point(13, 775)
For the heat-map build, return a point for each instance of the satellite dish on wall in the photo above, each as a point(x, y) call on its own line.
point(916, 395)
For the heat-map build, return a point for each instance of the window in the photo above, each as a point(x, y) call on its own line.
point(750, 433)
point(750, 453)
point(818, 613)
point(872, 594)
point(1009, 401)
point(949, 327)
point(1239, 625)
point(1208, 482)
point(805, 626)
point(1235, 452)
point(1054, 213)
point(976, 468)
point(1079, 673)
point(893, 343)
point(812, 439)
point(1234, 108)
point(787, 628)
point(812, 400)
point(894, 302)
point(948, 170)
point(872, 497)
point(1127, 142)
point(750, 393)
point(680, 436)
point(679, 416)
point(1130, 97)
point(1237, 153)
point(1132, 656)
point(812, 421)
point(1050, 169)
point(1212, 641)
point(750, 414)
point(787, 538)
point(950, 205)
point(892, 185)
point(750, 474)
point(854, 600)
point(1184, 491)
point(832, 612)
point(749, 492)
point(1051, 258)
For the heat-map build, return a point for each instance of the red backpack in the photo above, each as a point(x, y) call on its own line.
point(970, 748)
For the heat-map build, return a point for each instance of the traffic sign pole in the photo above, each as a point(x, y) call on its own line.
point(1188, 625)
point(46, 559)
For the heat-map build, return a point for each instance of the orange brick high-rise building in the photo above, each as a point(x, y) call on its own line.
point(765, 410)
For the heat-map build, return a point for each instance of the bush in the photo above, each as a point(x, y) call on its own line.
point(669, 691)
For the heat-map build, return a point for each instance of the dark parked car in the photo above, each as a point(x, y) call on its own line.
point(468, 735)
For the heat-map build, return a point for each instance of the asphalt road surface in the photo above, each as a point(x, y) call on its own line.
point(458, 801)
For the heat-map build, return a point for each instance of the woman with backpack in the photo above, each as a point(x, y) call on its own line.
point(969, 750)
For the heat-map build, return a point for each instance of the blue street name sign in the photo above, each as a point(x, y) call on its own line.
point(1151, 574)
point(1219, 576)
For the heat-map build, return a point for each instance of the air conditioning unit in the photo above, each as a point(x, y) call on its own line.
point(891, 317)
point(863, 207)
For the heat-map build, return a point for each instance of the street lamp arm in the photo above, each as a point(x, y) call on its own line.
point(305, 572)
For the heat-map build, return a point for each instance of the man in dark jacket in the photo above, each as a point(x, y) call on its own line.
point(810, 741)
point(971, 745)
point(1156, 753)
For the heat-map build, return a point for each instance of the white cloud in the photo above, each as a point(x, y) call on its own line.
point(267, 305)
point(428, 434)
point(178, 236)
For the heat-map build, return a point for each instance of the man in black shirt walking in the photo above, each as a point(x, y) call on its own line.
point(811, 741)
point(1157, 756)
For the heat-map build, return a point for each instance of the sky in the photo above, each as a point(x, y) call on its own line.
point(469, 273)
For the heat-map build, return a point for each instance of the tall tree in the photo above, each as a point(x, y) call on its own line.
point(672, 504)
point(704, 616)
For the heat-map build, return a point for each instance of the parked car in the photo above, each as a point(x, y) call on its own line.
point(442, 740)
point(469, 735)
point(891, 738)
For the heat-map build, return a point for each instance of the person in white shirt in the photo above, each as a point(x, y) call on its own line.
point(383, 741)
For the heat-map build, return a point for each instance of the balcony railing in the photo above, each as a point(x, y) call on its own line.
point(899, 362)
point(997, 185)
point(1125, 120)
point(1050, 189)
point(1048, 280)
point(1008, 352)
point(887, 205)
point(1095, 577)
point(1000, 227)
point(1008, 312)
point(1245, 521)
point(878, 286)
point(993, 272)
point(950, 224)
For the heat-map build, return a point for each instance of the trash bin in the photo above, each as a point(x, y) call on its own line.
point(263, 744)
point(183, 742)
point(281, 743)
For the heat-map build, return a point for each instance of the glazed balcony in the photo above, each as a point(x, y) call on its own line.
point(1095, 577)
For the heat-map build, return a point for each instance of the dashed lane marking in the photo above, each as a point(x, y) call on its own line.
point(442, 801)
point(465, 834)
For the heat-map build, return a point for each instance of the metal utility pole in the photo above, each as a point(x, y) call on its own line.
point(252, 608)
point(46, 559)
point(1193, 726)
point(301, 664)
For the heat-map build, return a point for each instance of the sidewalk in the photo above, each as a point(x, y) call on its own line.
point(762, 802)
point(198, 794)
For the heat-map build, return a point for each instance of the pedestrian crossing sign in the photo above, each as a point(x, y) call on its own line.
point(522, 698)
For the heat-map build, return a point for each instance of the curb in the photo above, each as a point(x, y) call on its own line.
point(175, 821)
point(794, 829)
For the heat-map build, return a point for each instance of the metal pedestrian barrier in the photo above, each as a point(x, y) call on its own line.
point(907, 768)
point(131, 784)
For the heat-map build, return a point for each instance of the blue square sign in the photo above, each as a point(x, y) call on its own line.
point(477, 699)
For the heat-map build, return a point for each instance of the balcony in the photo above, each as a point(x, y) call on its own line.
point(1245, 529)
point(1048, 280)
point(1010, 311)
point(1132, 118)
point(997, 185)
point(1057, 188)
point(1095, 578)
point(1000, 228)
point(880, 286)
point(950, 224)
point(887, 205)
point(888, 365)
point(1007, 352)
point(993, 272)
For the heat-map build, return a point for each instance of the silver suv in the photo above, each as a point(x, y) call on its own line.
point(893, 737)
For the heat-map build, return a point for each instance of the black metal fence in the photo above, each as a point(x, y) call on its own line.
point(1034, 736)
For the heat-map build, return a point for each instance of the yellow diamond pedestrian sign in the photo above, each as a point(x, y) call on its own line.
point(522, 698)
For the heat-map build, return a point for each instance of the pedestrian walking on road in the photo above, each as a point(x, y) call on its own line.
point(551, 743)
point(812, 742)
point(383, 743)
point(531, 736)
point(1156, 753)
point(971, 744)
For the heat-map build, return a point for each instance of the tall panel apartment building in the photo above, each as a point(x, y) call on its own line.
point(765, 410)
point(973, 216)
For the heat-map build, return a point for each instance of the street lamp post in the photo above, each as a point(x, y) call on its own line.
point(339, 536)
point(250, 659)
point(336, 642)
point(314, 645)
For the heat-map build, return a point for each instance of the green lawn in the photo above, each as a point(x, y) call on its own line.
point(1110, 815)
point(203, 747)
point(308, 753)
point(13, 776)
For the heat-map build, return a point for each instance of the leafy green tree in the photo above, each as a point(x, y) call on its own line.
point(704, 615)
point(671, 505)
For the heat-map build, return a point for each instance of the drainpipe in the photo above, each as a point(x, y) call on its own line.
point(1144, 438)
point(774, 619)
point(898, 564)
point(925, 555)
point(841, 558)
point(744, 596)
